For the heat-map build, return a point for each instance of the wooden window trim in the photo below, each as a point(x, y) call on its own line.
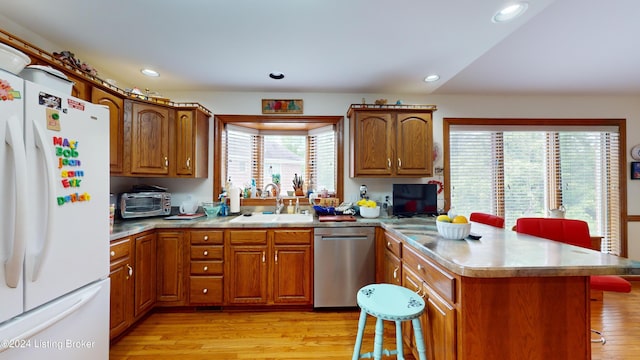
point(622, 156)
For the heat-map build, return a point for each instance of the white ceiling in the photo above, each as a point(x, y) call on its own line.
point(363, 46)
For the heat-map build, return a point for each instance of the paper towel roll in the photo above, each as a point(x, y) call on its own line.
point(234, 200)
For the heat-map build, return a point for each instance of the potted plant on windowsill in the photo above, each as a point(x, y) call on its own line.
point(275, 178)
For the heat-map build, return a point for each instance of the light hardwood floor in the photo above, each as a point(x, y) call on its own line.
point(323, 334)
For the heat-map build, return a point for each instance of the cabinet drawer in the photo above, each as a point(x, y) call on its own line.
point(206, 252)
point(119, 249)
point(392, 244)
point(205, 289)
point(248, 237)
point(437, 278)
point(207, 267)
point(293, 237)
point(206, 237)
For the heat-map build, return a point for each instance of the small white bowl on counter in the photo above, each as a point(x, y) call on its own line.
point(370, 212)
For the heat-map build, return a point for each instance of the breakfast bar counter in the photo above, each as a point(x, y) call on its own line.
point(506, 253)
point(504, 296)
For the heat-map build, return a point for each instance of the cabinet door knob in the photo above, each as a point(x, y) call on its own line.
point(129, 271)
point(419, 267)
point(113, 253)
point(206, 238)
point(388, 243)
point(189, 163)
point(205, 290)
point(389, 163)
point(166, 162)
point(264, 259)
point(206, 268)
point(395, 272)
point(399, 163)
point(205, 253)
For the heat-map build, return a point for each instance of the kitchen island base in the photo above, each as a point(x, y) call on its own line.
point(524, 318)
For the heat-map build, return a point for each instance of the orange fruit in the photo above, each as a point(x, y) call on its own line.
point(459, 220)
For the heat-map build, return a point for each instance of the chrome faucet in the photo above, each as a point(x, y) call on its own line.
point(279, 204)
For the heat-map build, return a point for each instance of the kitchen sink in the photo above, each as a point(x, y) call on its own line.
point(259, 218)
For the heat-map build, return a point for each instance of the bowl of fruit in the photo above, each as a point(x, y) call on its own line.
point(368, 208)
point(456, 228)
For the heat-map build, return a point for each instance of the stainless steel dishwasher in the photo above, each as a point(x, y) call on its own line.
point(344, 261)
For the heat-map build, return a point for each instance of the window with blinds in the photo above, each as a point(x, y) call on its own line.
point(268, 155)
point(523, 172)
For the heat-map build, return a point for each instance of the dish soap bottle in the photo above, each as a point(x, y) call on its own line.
point(290, 208)
point(386, 208)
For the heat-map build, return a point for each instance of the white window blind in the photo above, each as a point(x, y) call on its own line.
point(525, 172)
point(322, 158)
point(251, 154)
point(238, 156)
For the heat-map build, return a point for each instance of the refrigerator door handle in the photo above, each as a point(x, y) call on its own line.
point(49, 168)
point(13, 265)
point(88, 296)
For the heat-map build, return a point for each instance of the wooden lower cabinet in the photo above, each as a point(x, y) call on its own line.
point(133, 280)
point(438, 321)
point(248, 275)
point(144, 274)
point(269, 267)
point(206, 267)
point(170, 271)
point(403, 265)
point(292, 266)
point(120, 274)
point(392, 265)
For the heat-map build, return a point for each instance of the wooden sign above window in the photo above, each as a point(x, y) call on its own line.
point(282, 106)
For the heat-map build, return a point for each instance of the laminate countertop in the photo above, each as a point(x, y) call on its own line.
point(498, 253)
point(506, 253)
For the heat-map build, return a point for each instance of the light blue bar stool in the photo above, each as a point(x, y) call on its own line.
point(392, 303)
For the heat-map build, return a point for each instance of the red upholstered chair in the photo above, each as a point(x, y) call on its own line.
point(574, 232)
point(487, 219)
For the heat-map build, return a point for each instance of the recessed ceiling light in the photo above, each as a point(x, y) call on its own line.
point(432, 78)
point(510, 12)
point(149, 72)
point(276, 75)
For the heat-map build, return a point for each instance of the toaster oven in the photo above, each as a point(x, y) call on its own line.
point(145, 204)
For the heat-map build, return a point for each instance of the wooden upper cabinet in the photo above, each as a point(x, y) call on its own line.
point(192, 140)
point(116, 127)
point(372, 143)
point(80, 89)
point(414, 144)
point(147, 138)
point(391, 142)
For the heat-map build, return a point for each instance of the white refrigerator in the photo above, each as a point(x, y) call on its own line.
point(54, 224)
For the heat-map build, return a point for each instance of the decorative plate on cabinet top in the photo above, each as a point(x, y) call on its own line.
point(635, 152)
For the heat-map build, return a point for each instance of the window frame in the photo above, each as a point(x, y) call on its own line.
point(542, 123)
point(274, 122)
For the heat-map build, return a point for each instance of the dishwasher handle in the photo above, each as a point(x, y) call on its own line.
point(343, 237)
